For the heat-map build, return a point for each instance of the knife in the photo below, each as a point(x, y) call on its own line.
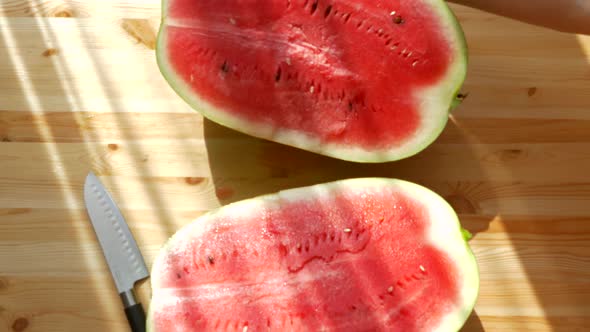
point(118, 246)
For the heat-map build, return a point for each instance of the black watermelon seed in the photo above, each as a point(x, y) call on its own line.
point(327, 12)
point(224, 67)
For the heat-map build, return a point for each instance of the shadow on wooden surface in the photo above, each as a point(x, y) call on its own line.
point(473, 324)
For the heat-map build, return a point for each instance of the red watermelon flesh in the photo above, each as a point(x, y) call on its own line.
point(355, 255)
point(367, 80)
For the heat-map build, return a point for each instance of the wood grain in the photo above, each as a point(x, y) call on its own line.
point(80, 90)
point(21, 126)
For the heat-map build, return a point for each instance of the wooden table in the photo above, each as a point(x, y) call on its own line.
point(80, 91)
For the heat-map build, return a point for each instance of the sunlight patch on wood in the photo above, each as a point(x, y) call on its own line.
point(585, 46)
point(36, 105)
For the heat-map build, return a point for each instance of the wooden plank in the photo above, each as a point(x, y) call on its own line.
point(20, 126)
point(79, 8)
point(524, 323)
point(65, 127)
point(205, 193)
point(122, 50)
point(72, 65)
point(522, 277)
point(229, 158)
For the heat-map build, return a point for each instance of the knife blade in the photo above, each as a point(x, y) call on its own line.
point(118, 246)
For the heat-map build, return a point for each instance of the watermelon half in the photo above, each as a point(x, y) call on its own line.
point(366, 254)
point(362, 80)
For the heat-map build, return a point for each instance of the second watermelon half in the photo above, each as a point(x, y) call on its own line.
point(355, 255)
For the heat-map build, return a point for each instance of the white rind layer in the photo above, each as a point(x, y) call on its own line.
point(435, 103)
point(444, 233)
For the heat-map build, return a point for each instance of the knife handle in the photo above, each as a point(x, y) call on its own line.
point(136, 317)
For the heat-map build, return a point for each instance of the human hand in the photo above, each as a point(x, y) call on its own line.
point(570, 16)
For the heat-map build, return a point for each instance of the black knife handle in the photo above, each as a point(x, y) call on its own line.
point(136, 317)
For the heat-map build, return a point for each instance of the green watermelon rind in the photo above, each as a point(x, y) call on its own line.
point(445, 233)
point(437, 109)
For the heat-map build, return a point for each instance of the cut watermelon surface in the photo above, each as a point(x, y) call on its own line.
point(366, 80)
point(366, 254)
